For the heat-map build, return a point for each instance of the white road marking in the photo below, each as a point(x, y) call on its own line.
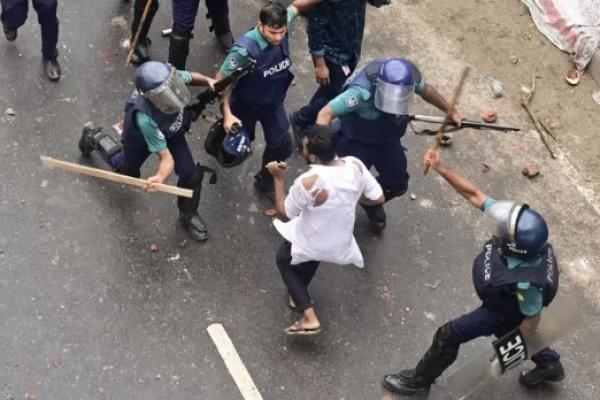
point(233, 362)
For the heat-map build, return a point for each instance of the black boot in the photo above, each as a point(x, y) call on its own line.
point(188, 208)
point(52, 69)
point(552, 371)
point(263, 181)
point(142, 51)
point(179, 47)
point(11, 36)
point(95, 139)
point(220, 25)
point(439, 356)
point(377, 217)
point(406, 382)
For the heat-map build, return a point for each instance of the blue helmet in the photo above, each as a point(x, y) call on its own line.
point(163, 86)
point(523, 229)
point(395, 86)
point(229, 150)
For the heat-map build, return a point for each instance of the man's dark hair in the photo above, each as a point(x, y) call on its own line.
point(273, 15)
point(321, 142)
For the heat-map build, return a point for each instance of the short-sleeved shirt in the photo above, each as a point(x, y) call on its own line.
point(530, 297)
point(155, 139)
point(325, 232)
point(238, 56)
point(359, 100)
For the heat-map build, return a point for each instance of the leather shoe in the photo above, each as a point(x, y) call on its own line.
point(11, 36)
point(546, 372)
point(405, 382)
point(52, 69)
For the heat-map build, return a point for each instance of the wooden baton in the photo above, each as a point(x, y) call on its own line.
point(113, 177)
point(136, 38)
point(452, 106)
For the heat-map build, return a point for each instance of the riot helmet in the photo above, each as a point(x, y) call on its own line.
point(395, 86)
point(229, 150)
point(523, 230)
point(163, 86)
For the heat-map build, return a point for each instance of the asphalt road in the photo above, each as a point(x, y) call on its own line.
point(88, 312)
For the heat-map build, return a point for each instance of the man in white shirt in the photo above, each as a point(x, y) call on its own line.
point(321, 206)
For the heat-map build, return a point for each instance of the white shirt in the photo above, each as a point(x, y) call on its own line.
point(325, 232)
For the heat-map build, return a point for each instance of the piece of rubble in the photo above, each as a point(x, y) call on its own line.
point(531, 170)
point(153, 247)
point(596, 97)
point(497, 88)
point(514, 59)
point(489, 116)
point(412, 196)
point(486, 168)
point(10, 112)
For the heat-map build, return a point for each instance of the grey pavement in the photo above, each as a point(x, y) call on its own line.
point(88, 312)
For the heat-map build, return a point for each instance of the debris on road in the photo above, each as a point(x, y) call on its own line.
point(119, 22)
point(429, 316)
point(153, 247)
point(497, 88)
point(596, 97)
point(489, 116)
point(434, 286)
point(531, 170)
point(514, 59)
point(10, 112)
point(486, 168)
point(173, 257)
point(412, 196)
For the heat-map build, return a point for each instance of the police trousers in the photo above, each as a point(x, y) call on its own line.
point(296, 277)
point(135, 152)
point(389, 159)
point(14, 15)
point(138, 12)
point(307, 115)
point(480, 322)
point(185, 11)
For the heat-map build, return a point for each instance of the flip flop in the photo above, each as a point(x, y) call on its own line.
point(573, 77)
point(297, 330)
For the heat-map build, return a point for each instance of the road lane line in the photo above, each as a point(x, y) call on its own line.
point(233, 362)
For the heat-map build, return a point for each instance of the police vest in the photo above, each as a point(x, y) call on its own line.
point(493, 280)
point(268, 83)
point(169, 124)
point(386, 127)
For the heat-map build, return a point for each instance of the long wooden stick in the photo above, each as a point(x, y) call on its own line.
point(112, 176)
point(136, 38)
point(452, 106)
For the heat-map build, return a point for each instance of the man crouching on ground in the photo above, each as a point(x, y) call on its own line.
point(321, 207)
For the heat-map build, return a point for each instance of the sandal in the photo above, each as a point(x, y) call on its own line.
point(296, 329)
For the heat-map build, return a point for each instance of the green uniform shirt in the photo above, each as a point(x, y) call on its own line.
point(530, 298)
point(359, 100)
point(238, 56)
point(155, 139)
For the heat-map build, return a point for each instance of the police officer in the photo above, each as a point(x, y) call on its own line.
point(372, 109)
point(259, 95)
point(155, 122)
point(142, 51)
point(335, 31)
point(14, 15)
point(184, 16)
point(515, 275)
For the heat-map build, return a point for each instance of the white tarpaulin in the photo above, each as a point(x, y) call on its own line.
point(572, 25)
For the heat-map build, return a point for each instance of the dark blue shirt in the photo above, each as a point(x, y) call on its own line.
point(335, 30)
